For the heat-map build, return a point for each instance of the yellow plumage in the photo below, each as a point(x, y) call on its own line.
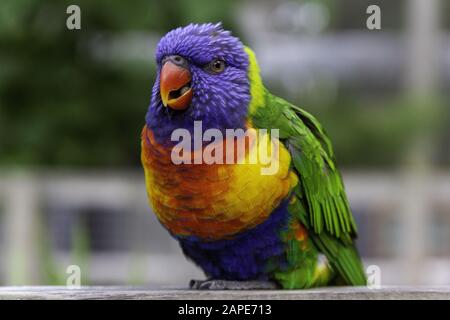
point(219, 200)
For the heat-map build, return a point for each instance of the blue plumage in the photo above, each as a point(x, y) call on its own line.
point(245, 257)
point(220, 101)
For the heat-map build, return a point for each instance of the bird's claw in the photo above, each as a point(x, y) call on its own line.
point(231, 285)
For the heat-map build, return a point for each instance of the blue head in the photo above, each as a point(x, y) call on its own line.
point(201, 75)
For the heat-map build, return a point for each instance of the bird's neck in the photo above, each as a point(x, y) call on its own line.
point(167, 125)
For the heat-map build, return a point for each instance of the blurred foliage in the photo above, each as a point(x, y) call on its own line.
point(81, 250)
point(49, 270)
point(378, 133)
point(60, 105)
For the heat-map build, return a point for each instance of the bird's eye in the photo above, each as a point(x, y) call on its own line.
point(216, 66)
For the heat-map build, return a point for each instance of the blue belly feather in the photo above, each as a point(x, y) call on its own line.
point(250, 255)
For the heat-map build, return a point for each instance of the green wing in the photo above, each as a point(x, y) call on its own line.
point(323, 206)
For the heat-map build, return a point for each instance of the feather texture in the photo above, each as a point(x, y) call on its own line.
point(295, 226)
point(320, 201)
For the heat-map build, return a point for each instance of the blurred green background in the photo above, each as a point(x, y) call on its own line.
point(76, 98)
point(62, 103)
point(72, 104)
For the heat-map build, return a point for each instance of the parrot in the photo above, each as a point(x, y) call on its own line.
point(292, 229)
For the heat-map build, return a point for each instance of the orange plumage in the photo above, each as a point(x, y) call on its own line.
point(212, 201)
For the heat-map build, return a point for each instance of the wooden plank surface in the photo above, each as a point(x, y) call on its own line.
point(174, 293)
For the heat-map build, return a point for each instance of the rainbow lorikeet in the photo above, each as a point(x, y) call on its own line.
point(294, 227)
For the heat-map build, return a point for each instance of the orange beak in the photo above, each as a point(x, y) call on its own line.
point(174, 86)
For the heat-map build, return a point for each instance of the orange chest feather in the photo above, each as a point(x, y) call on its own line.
point(210, 201)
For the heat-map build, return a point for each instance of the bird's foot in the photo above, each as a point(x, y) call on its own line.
point(232, 285)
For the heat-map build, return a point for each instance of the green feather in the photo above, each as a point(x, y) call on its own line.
point(326, 212)
point(313, 160)
point(321, 203)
